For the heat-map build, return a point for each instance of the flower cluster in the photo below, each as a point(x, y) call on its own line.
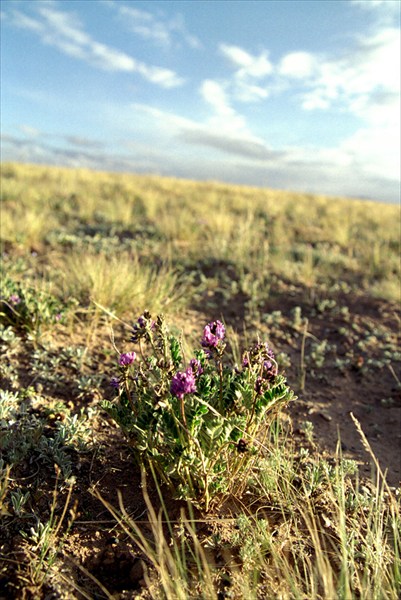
point(196, 366)
point(260, 357)
point(126, 359)
point(213, 336)
point(115, 383)
point(183, 383)
point(143, 325)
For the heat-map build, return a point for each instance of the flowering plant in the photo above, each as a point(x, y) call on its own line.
point(201, 424)
point(27, 309)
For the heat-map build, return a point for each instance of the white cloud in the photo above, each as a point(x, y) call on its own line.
point(371, 5)
point(82, 142)
point(163, 77)
point(40, 151)
point(238, 142)
point(332, 171)
point(214, 93)
point(144, 24)
point(247, 92)
point(351, 81)
point(163, 32)
point(248, 65)
point(249, 69)
point(64, 31)
point(372, 155)
point(29, 131)
point(226, 128)
point(350, 169)
point(375, 63)
point(364, 82)
point(25, 22)
point(362, 77)
point(298, 65)
point(224, 116)
point(246, 147)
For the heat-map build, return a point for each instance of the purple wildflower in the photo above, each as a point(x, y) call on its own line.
point(196, 366)
point(126, 359)
point(115, 382)
point(269, 370)
point(14, 299)
point(143, 324)
point(213, 333)
point(269, 351)
point(260, 385)
point(261, 358)
point(183, 383)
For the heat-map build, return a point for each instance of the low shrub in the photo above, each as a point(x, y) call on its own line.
point(200, 424)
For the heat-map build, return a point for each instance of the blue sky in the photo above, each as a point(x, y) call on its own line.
point(299, 95)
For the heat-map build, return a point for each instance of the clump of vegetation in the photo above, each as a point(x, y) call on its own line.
point(29, 309)
point(200, 424)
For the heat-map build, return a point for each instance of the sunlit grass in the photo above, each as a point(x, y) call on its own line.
point(121, 283)
point(26, 226)
point(309, 238)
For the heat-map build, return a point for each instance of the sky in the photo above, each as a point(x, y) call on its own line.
point(287, 94)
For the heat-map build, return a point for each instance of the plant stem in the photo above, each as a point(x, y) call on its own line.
point(303, 369)
point(221, 383)
point(130, 400)
point(182, 407)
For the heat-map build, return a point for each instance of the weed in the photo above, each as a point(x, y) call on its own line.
point(18, 501)
point(202, 426)
point(28, 309)
point(179, 559)
point(45, 540)
point(26, 436)
point(307, 429)
point(318, 352)
point(120, 282)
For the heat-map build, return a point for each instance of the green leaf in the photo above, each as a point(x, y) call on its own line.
point(175, 350)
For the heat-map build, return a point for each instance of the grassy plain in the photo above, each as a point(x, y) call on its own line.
point(83, 255)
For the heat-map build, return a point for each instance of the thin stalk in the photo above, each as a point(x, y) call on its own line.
point(220, 365)
point(303, 369)
point(182, 410)
point(127, 391)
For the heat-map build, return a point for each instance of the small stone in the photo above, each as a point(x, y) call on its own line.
point(325, 416)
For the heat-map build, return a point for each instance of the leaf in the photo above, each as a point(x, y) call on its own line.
point(175, 350)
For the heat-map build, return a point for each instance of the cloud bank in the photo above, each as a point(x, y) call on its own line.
point(65, 32)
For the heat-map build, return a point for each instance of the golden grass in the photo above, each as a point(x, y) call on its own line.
point(120, 282)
